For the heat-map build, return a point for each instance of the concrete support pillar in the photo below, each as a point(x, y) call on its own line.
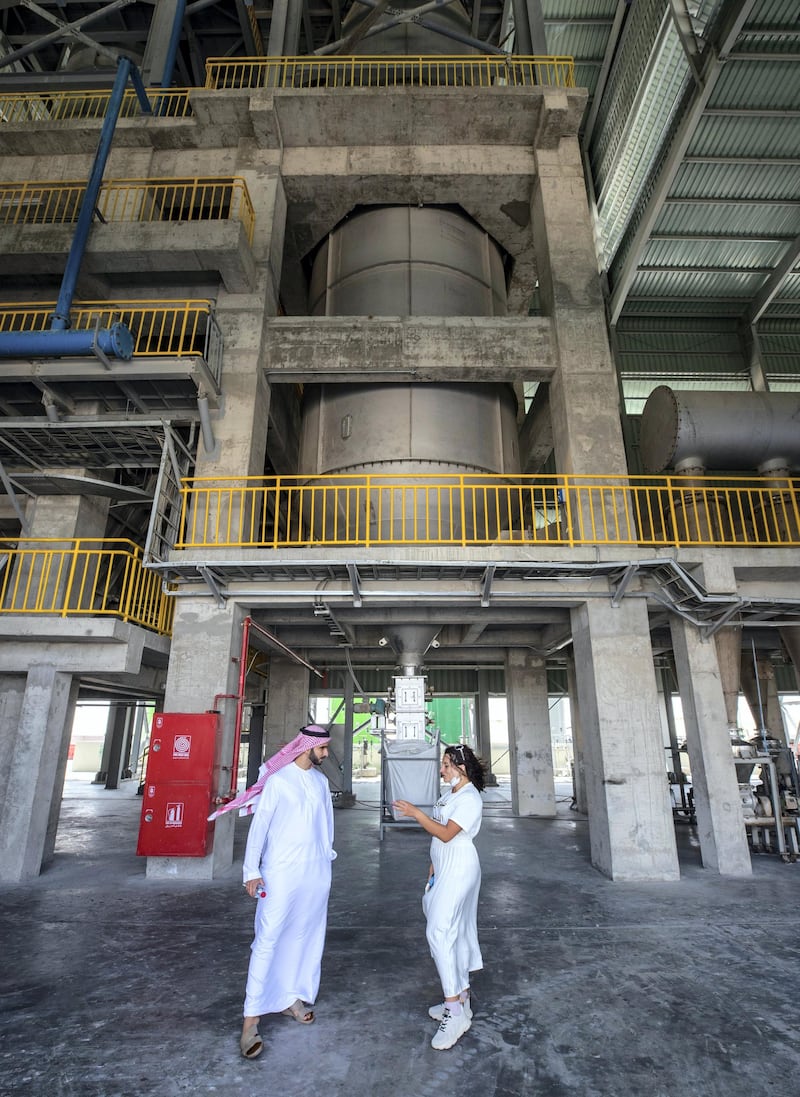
point(157, 51)
point(483, 733)
point(530, 746)
point(338, 767)
point(120, 744)
point(139, 723)
point(255, 745)
point(630, 819)
point(35, 725)
point(578, 765)
point(584, 397)
point(105, 756)
point(287, 704)
point(723, 842)
point(204, 674)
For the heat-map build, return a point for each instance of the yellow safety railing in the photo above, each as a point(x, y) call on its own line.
point(65, 106)
point(174, 329)
point(81, 577)
point(485, 70)
point(193, 199)
point(474, 509)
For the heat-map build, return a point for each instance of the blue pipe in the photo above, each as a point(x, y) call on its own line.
point(60, 317)
point(174, 42)
point(114, 342)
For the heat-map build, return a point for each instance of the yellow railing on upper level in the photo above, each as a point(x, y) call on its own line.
point(65, 106)
point(160, 329)
point(474, 71)
point(170, 199)
point(70, 577)
point(480, 70)
point(474, 509)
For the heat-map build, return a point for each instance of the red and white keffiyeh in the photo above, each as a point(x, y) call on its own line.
point(313, 735)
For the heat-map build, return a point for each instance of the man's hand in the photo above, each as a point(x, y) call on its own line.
point(255, 887)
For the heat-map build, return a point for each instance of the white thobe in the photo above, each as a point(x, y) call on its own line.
point(451, 905)
point(290, 846)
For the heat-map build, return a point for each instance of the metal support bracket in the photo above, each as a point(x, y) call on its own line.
point(622, 584)
point(355, 582)
point(486, 585)
point(212, 583)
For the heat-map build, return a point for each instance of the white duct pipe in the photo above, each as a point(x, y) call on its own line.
point(209, 442)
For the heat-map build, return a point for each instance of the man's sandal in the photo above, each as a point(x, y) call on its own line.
point(251, 1044)
point(300, 1012)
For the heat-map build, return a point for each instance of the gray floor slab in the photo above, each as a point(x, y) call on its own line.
point(112, 985)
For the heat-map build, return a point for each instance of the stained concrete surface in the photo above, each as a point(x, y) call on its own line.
point(113, 985)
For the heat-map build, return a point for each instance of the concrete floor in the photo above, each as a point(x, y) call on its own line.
point(114, 986)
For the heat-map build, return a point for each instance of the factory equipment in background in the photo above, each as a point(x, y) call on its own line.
point(409, 741)
point(695, 433)
point(766, 766)
point(770, 795)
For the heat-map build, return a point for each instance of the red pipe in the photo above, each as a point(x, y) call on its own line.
point(247, 624)
point(237, 727)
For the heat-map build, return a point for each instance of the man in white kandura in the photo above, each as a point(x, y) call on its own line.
point(287, 869)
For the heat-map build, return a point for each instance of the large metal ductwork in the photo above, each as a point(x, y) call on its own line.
point(410, 642)
point(434, 31)
point(728, 642)
point(731, 431)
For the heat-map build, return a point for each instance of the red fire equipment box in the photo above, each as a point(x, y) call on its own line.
point(183, 773)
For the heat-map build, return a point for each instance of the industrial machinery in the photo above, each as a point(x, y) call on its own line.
point(769, 788)
point(409, 742)
point(183, 775)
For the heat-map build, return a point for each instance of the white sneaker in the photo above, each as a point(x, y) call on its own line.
point(451, 1029)
point(436, 1012)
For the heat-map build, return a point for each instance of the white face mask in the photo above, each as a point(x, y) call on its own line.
point(454, 780)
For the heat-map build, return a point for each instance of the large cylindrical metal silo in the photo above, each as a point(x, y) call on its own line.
point(413, 261)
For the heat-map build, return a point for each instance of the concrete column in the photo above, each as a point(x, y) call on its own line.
point(723, 841)
point(255, 748)
point(584, 397)
point(140, 720)
point(287, 704)
point(34, 749)
point(120, 737)
point(338, 766)
point(105, 756)
point(578, 770)
point(530, 746)
point(204, 674)
point(156, 52)
point(483, 732)
point(630, 819)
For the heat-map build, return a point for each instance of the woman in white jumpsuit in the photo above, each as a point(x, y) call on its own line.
point(450, 901)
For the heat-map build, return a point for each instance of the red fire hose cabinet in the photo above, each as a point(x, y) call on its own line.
point(183, 775)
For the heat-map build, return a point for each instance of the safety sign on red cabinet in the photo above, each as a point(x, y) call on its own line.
point(183, 775)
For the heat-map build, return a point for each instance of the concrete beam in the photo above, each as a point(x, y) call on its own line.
point(408, 349)
point(119, 248)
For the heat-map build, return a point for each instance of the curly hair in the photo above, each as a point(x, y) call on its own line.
point(463, 755)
